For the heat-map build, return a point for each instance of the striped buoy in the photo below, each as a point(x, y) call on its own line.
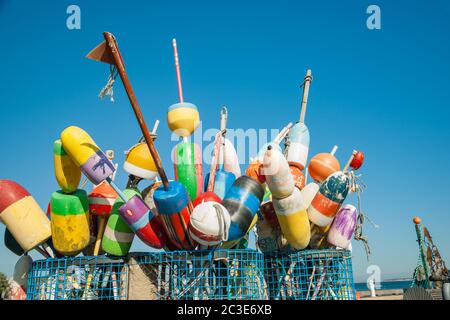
point(70, 221)
point(22, 215)
point(299, 144)
point(343, 227)
point(101, 199)
point(183, 118)
point(293, 219)
point(329, 199)
point(139, 162)
point(142, 221)
point(118, 236)
point(242, 202)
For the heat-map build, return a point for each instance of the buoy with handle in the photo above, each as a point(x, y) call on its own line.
point(330, 197)
point(242, 202)
point(299, 134)
point(67, 173)
point(169, 196)
point(70, 222)
point(343, 227)
point(209, 223)
point(22, 216)
point(293, 219)
point(183, 117)
point(323, 165)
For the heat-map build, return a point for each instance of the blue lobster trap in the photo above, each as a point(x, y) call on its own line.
point(310, 275)
point(197, 275)
point(177, 275)
point(78, 278)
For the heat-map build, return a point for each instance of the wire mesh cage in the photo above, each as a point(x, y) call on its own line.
point(176, 275)
point(78, 278)
point(197, 275)
point(310, 275)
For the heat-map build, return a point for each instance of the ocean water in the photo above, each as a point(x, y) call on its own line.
point(386, 285)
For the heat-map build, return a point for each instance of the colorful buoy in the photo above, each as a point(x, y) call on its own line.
point(70, 221)
point(323, 165)
point(242, 202)
point(118, 236)
point(209, 223)
point(343, 227)
point(22, 215)
point(293, 219)
point(67, 173)
point(139, 162)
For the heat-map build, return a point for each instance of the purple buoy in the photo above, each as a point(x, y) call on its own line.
point(343, 227)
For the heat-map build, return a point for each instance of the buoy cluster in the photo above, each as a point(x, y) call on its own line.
point(195, 210)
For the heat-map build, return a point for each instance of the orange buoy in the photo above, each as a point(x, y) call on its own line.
point(323, 165)
point(417, 220)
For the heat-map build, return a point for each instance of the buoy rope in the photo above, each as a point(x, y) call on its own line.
point(107, 90)
point(356, 185)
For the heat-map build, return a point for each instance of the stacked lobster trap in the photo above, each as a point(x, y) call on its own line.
point(200, 221)
point(310, 275)
point(177, 275)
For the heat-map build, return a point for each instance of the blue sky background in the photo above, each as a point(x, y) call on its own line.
point(384, 92)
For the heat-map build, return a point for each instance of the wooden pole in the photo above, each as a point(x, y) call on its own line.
point(177, 69)
point(306, 85)
point(114, 48)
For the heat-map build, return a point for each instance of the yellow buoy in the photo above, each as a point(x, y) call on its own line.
point(67, 173)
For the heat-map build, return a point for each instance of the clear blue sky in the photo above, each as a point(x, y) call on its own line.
point(385, 92)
